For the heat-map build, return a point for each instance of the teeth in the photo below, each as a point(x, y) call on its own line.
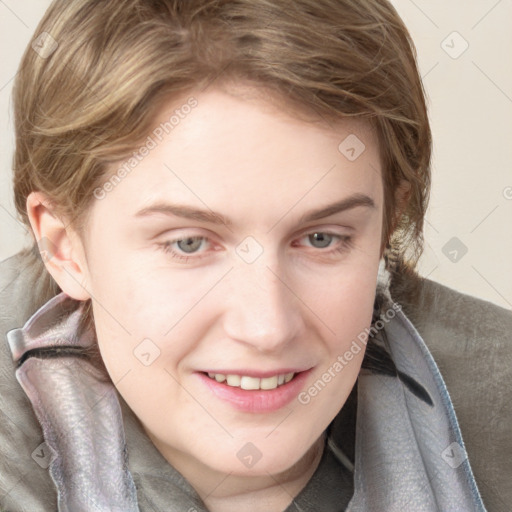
point(233, 380)
point(217, 376)
point(269, 383)
point(249, 383)
point(252, 383)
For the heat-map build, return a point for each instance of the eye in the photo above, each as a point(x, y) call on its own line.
point(324, 243)
point(187, 248)
point(190, 244)
point(324, 240)
point(320, 240)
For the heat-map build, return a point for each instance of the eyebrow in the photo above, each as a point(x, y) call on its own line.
point(185, 212)
point(347, 203)
point(209, 216)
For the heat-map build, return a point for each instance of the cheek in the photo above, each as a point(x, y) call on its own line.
point(145, 313)
point(345, 298)
point(348, 316)
point(345, 306)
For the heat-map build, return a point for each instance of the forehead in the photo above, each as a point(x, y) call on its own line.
point(243, 154)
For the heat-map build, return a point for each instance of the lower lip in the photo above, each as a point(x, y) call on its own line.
point(257, 400)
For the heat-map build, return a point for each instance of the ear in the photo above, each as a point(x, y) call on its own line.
point(60, 247)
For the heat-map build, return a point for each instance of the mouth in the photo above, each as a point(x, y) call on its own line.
point(265, 393)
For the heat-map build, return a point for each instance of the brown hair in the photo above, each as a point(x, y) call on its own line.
point(90, 100)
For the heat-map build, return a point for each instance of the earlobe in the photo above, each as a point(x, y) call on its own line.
point(60, 247)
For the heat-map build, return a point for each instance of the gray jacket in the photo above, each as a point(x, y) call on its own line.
point(469, 339)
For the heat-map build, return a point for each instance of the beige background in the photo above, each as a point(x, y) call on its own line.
point(464, 53)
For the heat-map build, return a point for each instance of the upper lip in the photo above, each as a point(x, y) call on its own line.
point(257, 373)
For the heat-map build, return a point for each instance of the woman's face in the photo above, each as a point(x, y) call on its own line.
point(240, 250)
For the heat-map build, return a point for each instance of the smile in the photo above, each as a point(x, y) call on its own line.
point(252, 383)
point(253, 394)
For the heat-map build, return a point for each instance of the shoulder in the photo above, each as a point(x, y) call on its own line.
point(25, 484)
point(455, 311)
point(471, 342)
point(463, 333)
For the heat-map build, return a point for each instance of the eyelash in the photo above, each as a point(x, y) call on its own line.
point(345, 243)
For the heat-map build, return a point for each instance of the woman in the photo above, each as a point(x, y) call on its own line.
point(227, 198)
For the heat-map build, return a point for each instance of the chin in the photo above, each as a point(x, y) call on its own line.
point(258, 458)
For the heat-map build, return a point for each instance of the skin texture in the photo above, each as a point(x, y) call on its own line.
point(297, 306)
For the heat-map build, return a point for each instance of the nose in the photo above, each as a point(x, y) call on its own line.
point(262, 309)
